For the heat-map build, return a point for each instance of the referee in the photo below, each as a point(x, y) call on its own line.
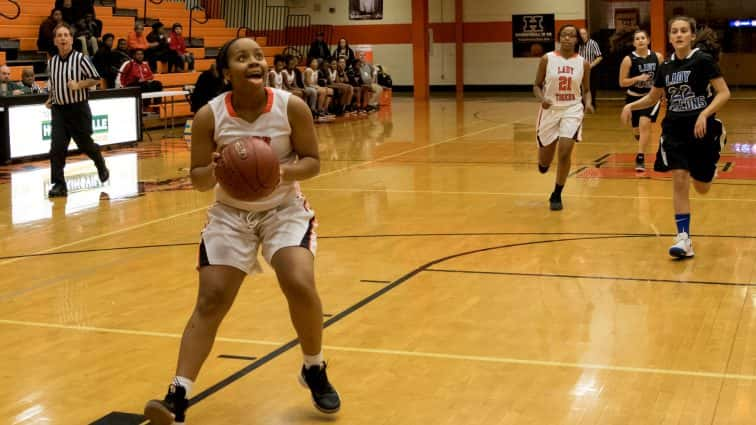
point(590, 51)
point(71, 76)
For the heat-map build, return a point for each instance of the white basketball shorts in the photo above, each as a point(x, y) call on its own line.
point(555, 122)
point(232, 236)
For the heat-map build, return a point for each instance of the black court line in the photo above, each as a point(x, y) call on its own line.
point(602, 157)
point(727, 166)
point(374, 281)
point(571, 276)
point(577, 171)
point(86, 251)
point(415, 161)
point(389, 235)
point(717, 181)
point(599, 164)
point(360, 304)
point(233, 357)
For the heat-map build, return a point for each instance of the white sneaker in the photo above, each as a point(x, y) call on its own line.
point(683, 247)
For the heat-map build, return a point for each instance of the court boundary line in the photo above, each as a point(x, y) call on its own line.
point(589, 277)
point(370, 298)
point(195, 210)
point(729, 358)
point(405, 353)
point(363, 302)
point(107, 234)
point(395, 235)
point(518, 194)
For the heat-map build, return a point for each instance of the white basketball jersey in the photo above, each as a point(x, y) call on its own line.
point(289, 77)
point(273, 127)
point(564, 79)
point(277, 81)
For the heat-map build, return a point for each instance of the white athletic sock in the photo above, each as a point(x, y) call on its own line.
point(184, 382)
point(316, 360)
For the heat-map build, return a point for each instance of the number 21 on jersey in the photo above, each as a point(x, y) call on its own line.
point(565, 83)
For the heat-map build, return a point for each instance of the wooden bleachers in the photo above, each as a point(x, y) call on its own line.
point(214, 33)
point(17, 70)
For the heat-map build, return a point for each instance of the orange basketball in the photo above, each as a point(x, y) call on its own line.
point(248, 169)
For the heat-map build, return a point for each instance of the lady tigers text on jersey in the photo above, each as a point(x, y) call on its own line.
point(563, 79)
point(564, 84)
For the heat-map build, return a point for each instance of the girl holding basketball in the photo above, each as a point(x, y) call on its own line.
point(282, 224)
point(562, 86)
point(637, 74)
point(689, 144)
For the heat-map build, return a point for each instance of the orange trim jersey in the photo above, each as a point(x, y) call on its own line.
point(273, 127)
point(564, 79)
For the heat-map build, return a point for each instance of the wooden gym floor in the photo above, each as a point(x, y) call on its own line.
point(453, 295)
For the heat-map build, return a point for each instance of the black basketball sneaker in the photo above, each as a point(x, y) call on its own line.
point(169, 411)
point(324, 396)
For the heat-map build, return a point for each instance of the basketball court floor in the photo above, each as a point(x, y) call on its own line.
point(453, 296)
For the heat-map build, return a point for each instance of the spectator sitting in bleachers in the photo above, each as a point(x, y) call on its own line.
point(8, 87)
point(137, 73)
point(322, 94)
point(45, 36)
point(343, 78)
point(118, 59)
point(84, 41)
point(368, 74)
point(137, 39)
point(28, 85)
point(362, 91)
point(208, 85)
point(160, 50)
point(120, 54)
point(342, 92)
point(103, 59)
point(275, 75)
point(344, 51)
point(74, 10)
point(178, 45)
point(318, 49)
point(93, 25)
point(292, 77)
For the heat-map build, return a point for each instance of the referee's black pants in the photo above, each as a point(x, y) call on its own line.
point(72, 121)
point(594, 78)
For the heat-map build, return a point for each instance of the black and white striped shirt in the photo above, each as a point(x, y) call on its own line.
point(75, 67)
point(590, 51)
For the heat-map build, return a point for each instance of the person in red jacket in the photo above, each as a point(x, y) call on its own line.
point(178, 45)
point(137, 73)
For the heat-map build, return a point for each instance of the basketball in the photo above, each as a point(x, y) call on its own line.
point(248, 169)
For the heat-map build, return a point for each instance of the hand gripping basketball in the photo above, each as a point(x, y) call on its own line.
point(248, 169)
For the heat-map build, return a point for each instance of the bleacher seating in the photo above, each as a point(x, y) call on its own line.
point(214, 33)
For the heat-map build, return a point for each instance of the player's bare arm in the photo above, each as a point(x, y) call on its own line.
point(538, 85)
point(304, 141)
point(204, 156)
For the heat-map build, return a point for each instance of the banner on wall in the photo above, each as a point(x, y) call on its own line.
point(532, 35)
point(365, 9)
point(626, 20)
